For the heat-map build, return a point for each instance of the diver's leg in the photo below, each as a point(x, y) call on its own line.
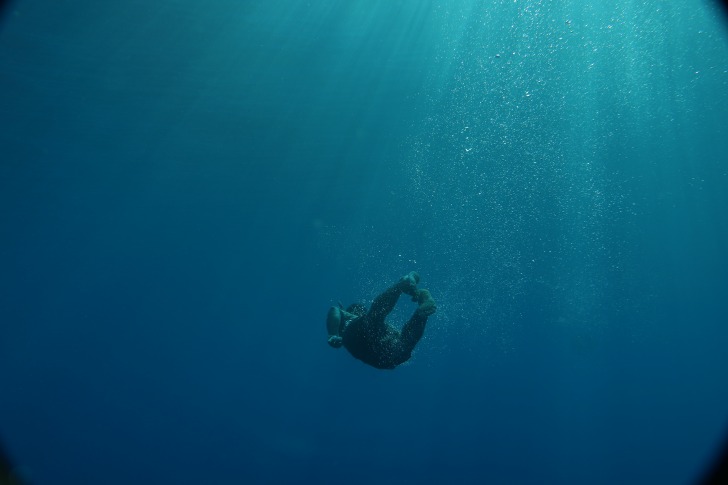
point(414, 329)
point(384, 303)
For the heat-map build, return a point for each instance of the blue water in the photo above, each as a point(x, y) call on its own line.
point(186, 187)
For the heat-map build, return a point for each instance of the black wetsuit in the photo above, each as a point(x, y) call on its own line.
point(370, 339)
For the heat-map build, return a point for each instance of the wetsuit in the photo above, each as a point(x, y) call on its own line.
point(373, 341)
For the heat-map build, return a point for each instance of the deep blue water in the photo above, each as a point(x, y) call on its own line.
point(186, 187)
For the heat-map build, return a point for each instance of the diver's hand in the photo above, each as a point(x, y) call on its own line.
point(336, 341)
point(408, 284)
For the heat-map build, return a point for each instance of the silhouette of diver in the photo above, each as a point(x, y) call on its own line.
point(369, 338)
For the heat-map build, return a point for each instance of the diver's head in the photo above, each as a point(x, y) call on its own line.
point(357, 309)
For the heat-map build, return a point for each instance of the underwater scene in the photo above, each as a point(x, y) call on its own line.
point(357, 242)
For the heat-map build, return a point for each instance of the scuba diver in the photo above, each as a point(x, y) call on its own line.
point(369, 338)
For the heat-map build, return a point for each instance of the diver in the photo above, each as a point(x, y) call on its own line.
point(369, 338)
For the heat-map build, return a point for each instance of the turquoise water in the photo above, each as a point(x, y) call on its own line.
point(185, 189)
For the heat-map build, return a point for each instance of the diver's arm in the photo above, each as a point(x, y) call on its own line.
point(333, 323)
